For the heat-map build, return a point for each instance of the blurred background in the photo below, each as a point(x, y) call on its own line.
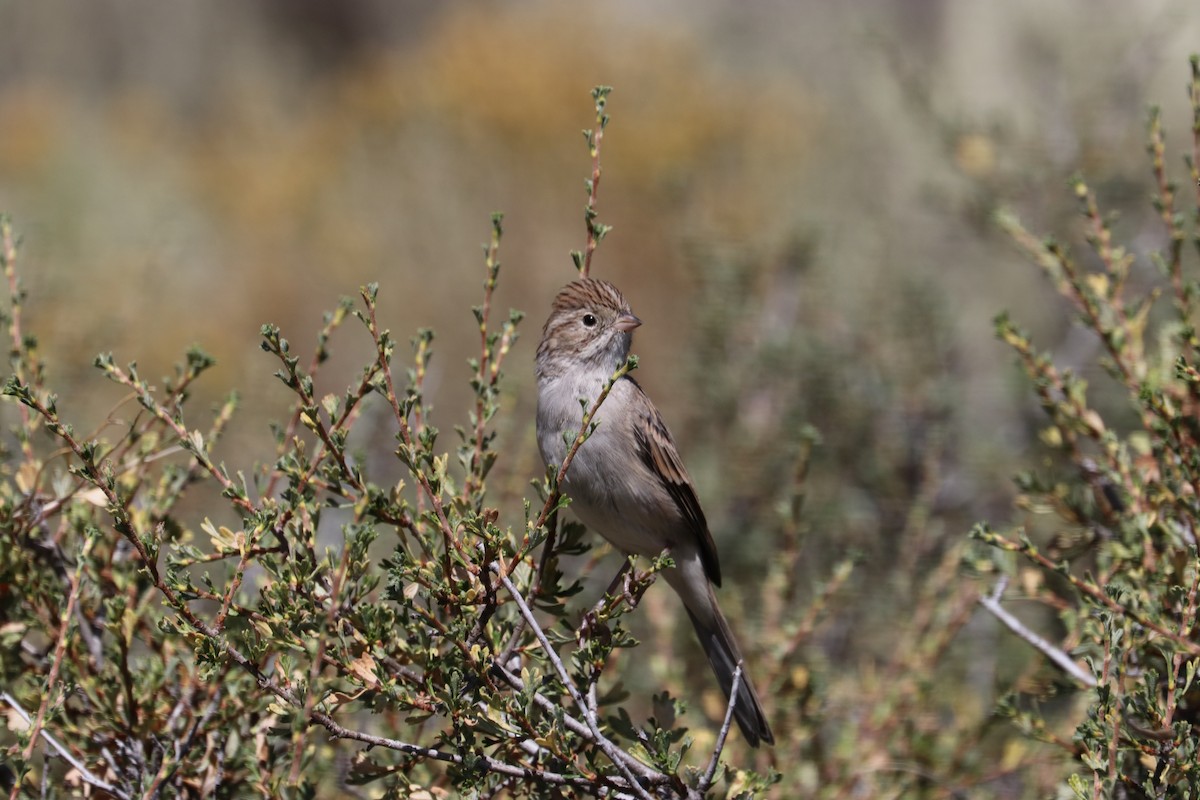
point(802, 196)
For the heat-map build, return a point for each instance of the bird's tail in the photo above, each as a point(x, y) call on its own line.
point(723, 654)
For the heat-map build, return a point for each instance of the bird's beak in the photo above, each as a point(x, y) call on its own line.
point(627, 322)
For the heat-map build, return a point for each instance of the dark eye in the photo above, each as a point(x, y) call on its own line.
point(589, 320)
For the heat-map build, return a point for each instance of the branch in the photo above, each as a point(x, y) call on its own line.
point(707, 779)
point(491, 355)
point(1089, 589)
point(332, 322)
point(8, 257)
point(194, 443)
point(605, 745)
point(595, 230)
point(491, 764)
point(60, 648)
point(84, 773)
point(383, 353)
point(992, 603)
point(551, 505)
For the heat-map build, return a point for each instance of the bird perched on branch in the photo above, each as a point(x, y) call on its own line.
point(627, 481)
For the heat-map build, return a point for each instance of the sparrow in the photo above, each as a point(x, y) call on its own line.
point(627, 481)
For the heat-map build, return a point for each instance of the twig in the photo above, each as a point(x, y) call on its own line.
point(1165, 204)
point(550, 508)
point(583, 730)
point(479, 759)
point(1118, 704)
point(992, 603)
point(60, 649)
point(543, 702)
point(618, 580)
point(194, 443)
point(383, 352)
point(1194, 92)
point(334, 320)
point(182, 746)
point(535, 589)
point(8, 256)
point(491, 355)
point(84, 773)
point(1185, 623)
point(595, 230)
point(818, 606)
point(1092, 591)
point(707, 779)
point(600, 739)
point(314, 671)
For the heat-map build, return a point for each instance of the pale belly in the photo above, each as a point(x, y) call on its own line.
point(612, 491)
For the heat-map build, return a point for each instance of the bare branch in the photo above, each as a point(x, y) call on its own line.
point(707, 779)
point(609, 749)
point(84, 773)
point(992, 603)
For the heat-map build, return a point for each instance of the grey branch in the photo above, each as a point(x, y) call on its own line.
point(706, 781)
point(612, 751)
point(84, 773)
point(992, 603)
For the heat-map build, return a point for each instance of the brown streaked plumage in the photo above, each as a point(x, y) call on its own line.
point(627, 481)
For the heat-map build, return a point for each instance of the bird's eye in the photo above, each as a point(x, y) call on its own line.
point(589, 320)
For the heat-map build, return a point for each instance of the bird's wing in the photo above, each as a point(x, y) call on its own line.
point(657, 450)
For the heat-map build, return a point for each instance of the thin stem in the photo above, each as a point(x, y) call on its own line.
point(60, 647)
point(319, 356)
point(8, 255)
point(608, 748)
point(1194, 92)
point(1094, 592)
point(492, 765)
point(406, 437)
point(1165, 204)
point(595, 230)
point(992, 603)
point(1185, 626)
point(194, 443)
point(707, 779)
point(75, 579)
point(491, 355)
point(85, 774)
point(314, 670)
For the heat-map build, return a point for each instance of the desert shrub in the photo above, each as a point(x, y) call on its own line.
point(1108, 543)
point(312, 630)
point(324, 624)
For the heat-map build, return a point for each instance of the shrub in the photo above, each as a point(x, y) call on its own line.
point(1109, 540)
point(319, 626)
point(338, 631)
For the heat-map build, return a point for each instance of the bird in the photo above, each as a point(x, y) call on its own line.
point(627, 481)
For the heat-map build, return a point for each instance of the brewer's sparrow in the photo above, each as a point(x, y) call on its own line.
point(627, 481)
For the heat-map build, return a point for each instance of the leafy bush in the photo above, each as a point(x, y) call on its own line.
point(1109, 541)
point(176, 627)
point(158, 655)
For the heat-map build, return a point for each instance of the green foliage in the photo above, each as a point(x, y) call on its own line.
point(1109, 542)
point(170, 656)
point(173, 626)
